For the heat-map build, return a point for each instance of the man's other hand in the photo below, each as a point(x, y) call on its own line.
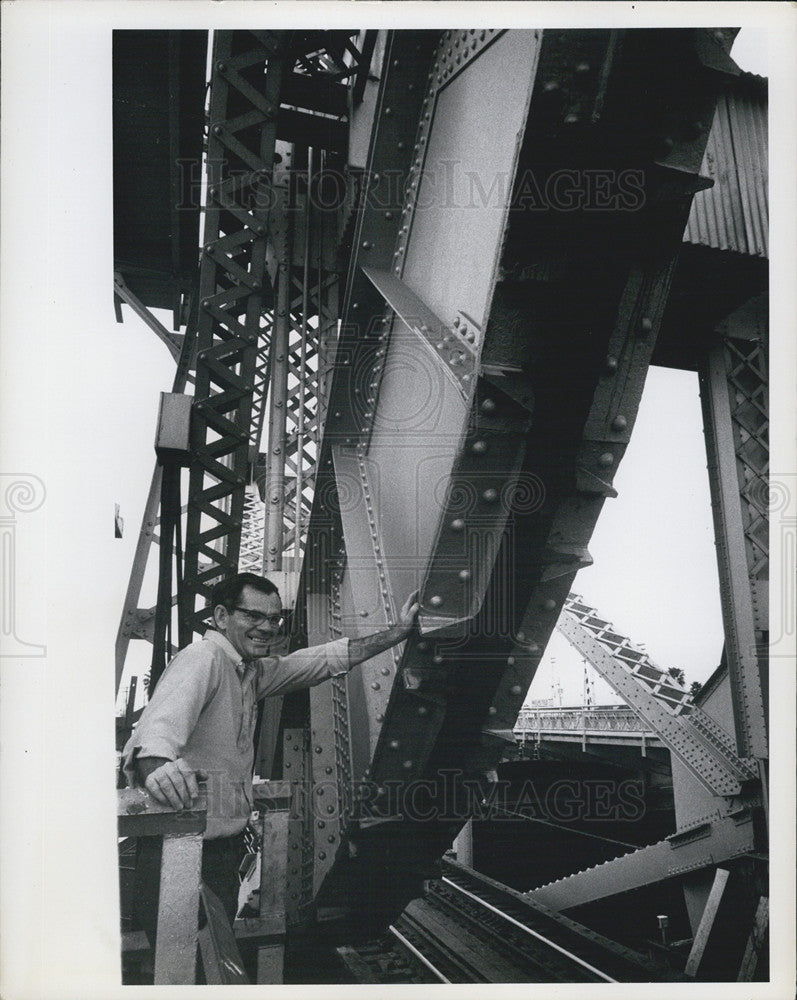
point(409, 612)
point(174, 784)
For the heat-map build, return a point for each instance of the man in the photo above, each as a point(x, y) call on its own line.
point(200, 722)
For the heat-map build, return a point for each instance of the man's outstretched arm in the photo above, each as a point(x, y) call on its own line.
point(369, 645)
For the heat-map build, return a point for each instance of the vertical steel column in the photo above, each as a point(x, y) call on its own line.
point(723, 445)
point(302, 387)
point(275, 456)
point(235, 292)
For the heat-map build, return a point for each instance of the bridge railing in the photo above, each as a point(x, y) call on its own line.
point(609, 719)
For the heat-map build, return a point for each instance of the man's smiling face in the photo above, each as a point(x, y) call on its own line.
point(252, 625)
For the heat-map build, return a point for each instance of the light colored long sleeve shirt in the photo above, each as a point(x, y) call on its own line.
point(204, 709)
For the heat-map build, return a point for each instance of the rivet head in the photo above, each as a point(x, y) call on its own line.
point(611, 364)
point(510, 660)
point(331, 838)
point(322, 855)
point(479, 447)
point(583, 67)
point(488, 405)
point(423, 645)
point(423, 710)
point(394, 744)
point(490, 496)
point(321, 824)
point(330, 809)
point(319, 749)
point(388, 215)
point(464, 574)
point(380, 717)
point(550, 604)
point(645, 326)
point(606, 459)
point(327, 770)
point(366, 245)
point(217, 130)
point(407, 765)
point(375, 686)
point(205, 305)
point(492, 710)
point(619, 423)
point(435, 600)
point(516, 689)
point(457, 524)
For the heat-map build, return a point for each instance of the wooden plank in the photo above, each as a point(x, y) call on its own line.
point(270, 964)
point(221, 959)
point(178, 910)
point(360, 969)
point(273, 863)
point(273, 875)
point(706, 922)
point(139, 815)
point(755, 942)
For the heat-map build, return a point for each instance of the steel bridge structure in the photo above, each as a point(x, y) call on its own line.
point(416, 281)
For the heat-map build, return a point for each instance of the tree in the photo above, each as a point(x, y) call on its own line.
point(677, 674)
point(695, 689)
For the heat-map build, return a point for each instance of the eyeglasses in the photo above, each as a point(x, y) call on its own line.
point(258, 618)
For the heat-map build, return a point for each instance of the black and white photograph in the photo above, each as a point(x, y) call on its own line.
point(387, 498)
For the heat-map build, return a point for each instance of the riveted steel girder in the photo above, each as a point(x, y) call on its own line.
point(492, 357)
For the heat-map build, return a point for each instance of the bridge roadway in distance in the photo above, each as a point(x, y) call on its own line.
point(615, 725)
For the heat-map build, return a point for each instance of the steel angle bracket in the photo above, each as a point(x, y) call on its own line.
point(450, 346)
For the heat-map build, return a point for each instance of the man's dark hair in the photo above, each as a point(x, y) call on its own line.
point(228, 592)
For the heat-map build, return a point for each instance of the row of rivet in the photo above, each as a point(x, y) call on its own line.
point(378, 556)
point(489, 496)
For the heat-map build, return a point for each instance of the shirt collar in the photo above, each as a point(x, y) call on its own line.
point(226, 646)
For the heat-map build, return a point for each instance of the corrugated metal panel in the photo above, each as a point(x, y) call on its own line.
point(733, 215)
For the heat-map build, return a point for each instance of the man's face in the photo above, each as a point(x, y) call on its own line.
point(250, 638)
